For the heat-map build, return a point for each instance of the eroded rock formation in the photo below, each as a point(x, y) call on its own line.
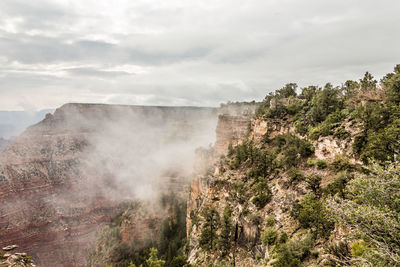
point(64, 177)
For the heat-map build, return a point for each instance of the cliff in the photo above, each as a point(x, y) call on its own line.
point(65, 177)
point(239, 187)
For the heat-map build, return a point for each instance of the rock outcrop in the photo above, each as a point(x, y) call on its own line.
point(231, 129)
point(65, 177)
point(233, 187)
point(17, 259)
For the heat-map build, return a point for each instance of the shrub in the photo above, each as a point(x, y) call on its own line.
point(372, 210)
point(341, 133)
point(339, 254)
point(269, 235)
point(283, 237)
point(179, 261)
point(312, 214)
point(358, 248)
point(270, 221)
point(341, 163)
point(310, 162)
point(295, 175)
point(338, 185)
point(321, 164)
point(263, 195)
point(293, 252)
point(261, 199)
point(314, 184)
point(290, 146)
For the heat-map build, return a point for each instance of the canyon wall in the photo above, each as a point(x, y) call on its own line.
point(63, 178)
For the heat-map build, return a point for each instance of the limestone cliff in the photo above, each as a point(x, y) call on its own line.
point(65, 177)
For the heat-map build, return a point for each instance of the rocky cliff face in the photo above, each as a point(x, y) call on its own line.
point(225, 186)
point(64, 177)
point(231, 129)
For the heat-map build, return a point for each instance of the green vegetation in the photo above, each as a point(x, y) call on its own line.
point(225, 238)
point(360, 191)
point(312, 213)
point(209, 237)
point(372, 210)
point(263, 194)
point(153, 260)
point(169, 246)
point(269, 235)
point(292, 252)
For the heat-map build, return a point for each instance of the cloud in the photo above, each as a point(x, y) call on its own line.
point(187, 52)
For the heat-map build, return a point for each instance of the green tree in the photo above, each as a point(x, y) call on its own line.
point(393, 88)
point(371, 210)
point(208, 238)
point(153, 260)
point(312, 214)
point(308, 93)
point(269, 235)
point(226, 232)
point(350, 88)
point(368, 82)
point(287, 91)
point(323, 103)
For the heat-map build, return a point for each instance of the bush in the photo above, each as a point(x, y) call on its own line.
point(293, 252)
point(338, 185)
point(269, 235)
point(358, 248)
point(283, 237)
point(263, 194)
point(341, 163)
point(321, 164)
point(261, 199)
point(270, 221)
point(339, 254)
point(289, 147)
point(371, 210)
point(179, 261)
point(314, 184)
point(295, 175)
point(341, 133)
point(312, 214)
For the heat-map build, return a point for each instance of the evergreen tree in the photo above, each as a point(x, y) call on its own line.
point(226, 231)
point(368, 82)
point(209, 237)
point(153, 260)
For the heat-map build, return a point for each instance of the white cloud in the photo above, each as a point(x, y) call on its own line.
point(185, 52)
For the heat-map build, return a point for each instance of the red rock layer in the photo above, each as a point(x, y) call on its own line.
point(52, 203)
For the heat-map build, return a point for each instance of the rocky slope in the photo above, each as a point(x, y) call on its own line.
point(64, 177)
point(226, 186)
point(15, 259)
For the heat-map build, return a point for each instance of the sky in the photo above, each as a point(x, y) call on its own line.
point(185, 52)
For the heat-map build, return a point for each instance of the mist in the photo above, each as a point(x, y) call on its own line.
point(128, 152)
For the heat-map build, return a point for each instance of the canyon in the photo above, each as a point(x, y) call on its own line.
point(65, 177)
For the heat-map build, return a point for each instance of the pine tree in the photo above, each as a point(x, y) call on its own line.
point(153, 260)
point(209, 237)
point(226, 230)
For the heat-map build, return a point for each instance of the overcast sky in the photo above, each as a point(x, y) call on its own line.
point(184, 52)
